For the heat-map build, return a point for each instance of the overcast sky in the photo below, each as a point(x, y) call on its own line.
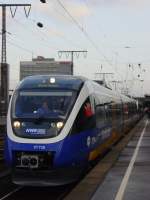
point(116, 34)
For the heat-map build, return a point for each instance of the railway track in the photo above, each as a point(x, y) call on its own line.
point(13, 192)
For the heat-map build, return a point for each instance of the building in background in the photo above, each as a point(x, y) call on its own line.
point(42, 66)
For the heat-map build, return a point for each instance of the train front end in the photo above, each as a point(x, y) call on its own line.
point(38, 147)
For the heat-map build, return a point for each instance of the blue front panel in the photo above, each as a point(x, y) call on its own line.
point(73, 150)
point(70, 151)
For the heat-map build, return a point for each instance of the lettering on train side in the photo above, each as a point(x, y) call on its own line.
point(88, 141)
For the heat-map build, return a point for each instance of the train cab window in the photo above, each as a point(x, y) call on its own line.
point(27, 103)
point(100, 116)
point(85, 119)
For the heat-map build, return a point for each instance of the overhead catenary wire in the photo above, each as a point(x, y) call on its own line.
point(84, 32)
point(87, 36)
point(43, 35)
point(40, 34)
point(11, 37)
point(82, 29)
point(86, 2)
point(20, 47)
point(42, 39)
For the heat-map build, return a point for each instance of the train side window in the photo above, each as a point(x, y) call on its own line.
point(85, 119)
point(126, 109)
point(118, 111)
point(108, 110)
point(100, 116)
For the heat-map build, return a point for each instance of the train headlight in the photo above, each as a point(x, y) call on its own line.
point(52, 80)
point(16, 124)
point(59, 125)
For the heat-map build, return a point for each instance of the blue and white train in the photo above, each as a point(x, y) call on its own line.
point(83, 120)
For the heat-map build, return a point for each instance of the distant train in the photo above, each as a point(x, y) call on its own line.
point(57, 125)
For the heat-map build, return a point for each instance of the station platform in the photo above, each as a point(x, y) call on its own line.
point(128, 178)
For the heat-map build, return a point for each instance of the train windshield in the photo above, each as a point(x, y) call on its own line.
point(46, 104)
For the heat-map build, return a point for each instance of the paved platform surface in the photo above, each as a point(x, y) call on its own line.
point(129, 179)
point(112, 178)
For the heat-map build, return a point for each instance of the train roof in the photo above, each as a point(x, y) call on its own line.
point(67, 82)
point(104, 91)
point(55, 81)
point(127, 99)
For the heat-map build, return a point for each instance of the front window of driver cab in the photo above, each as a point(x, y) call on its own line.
point(41, 114)
point(50, 104)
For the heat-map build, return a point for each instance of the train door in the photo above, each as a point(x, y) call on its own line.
point(117, 122)
point(102, 123)
point(119, 118)
point(108, 110)
point(126, 117)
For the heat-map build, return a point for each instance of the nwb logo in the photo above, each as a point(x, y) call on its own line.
point(35, 131)
point(31, 130)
